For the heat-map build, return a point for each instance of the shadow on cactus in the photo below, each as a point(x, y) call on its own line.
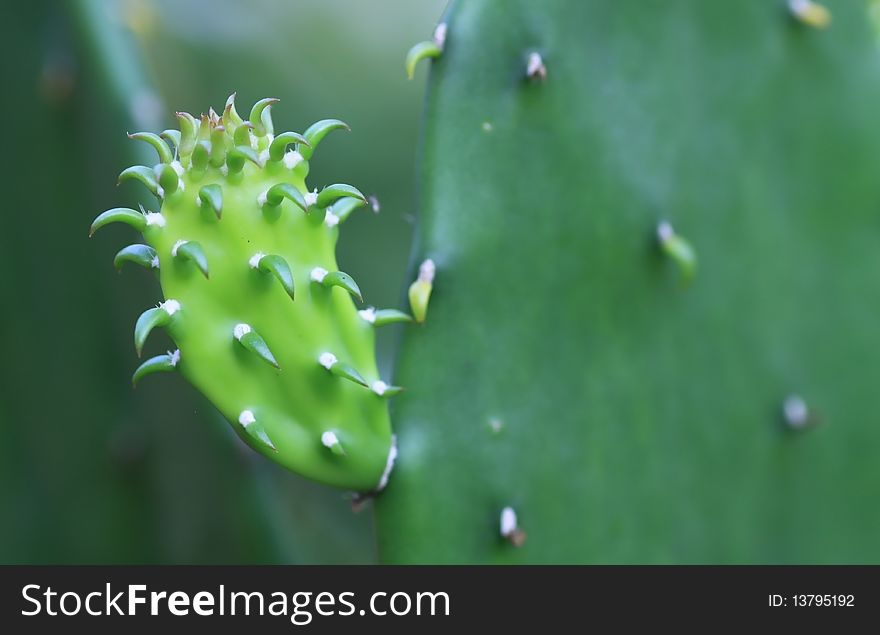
point(265, 324)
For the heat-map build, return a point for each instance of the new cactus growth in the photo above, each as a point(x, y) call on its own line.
point(265, 324)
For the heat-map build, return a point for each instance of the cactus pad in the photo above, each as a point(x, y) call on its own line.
point(265, 324)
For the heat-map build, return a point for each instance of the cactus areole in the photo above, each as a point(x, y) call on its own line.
point(264, 323)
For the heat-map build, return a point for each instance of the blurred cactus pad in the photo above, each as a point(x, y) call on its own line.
point(577, 369)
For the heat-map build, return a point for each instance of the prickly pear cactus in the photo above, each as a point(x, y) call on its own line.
point(264, 323)
point(652, 327)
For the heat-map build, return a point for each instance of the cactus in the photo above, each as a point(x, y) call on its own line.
point(628, 213)
point(264, 323)
point(567, 394)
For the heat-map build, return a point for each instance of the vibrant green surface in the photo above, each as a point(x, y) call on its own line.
point(254, 350)
point(641, 417)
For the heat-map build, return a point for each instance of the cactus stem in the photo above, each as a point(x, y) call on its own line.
point(253, 342)
point(810, 13)
point(509, 528)
point(535, 68)
point(420, 290)
point(330, 441)
point(796, 412)
point(678, 249)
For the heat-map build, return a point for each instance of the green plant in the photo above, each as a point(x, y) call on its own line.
point(565, 371)
point(264, 322)
point(578, 391)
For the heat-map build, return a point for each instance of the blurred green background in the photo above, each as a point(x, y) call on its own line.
point(91, 470)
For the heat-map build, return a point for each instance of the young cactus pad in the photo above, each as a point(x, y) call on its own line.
point(265, 324)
